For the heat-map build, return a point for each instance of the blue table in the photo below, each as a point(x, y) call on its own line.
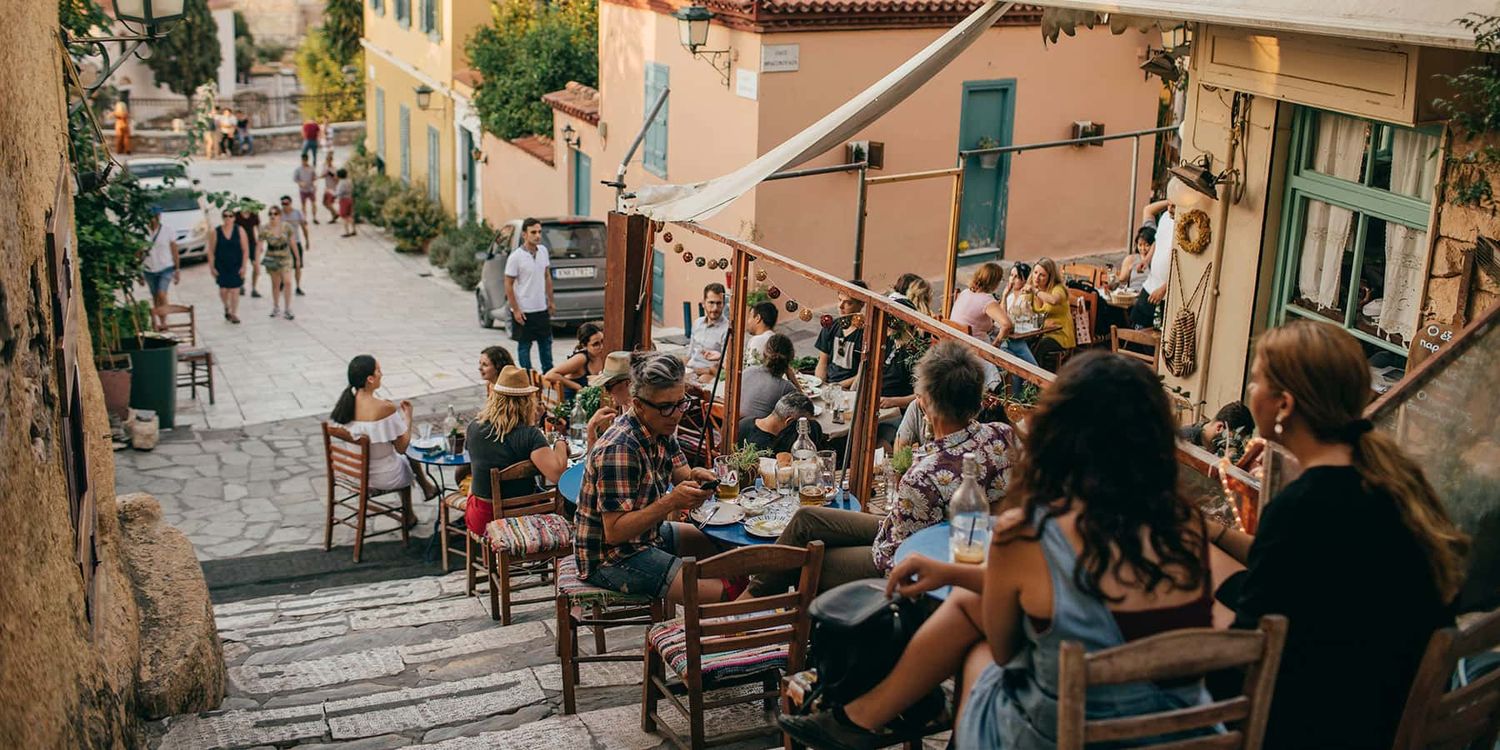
point(438, 460)
point(929, 542)
point(734, 534)
point(571, 483)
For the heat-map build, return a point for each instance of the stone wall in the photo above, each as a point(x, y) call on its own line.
point(1459, 289)
point(68, 676)
point(286, 138)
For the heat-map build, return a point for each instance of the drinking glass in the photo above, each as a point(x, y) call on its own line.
point(426, 431)
point(786, 481)
point(827, 465)
point(729, 479)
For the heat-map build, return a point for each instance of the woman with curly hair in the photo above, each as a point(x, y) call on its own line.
point(1102, 551)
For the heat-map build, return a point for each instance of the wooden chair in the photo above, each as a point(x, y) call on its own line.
point(528, 533)
point(729, 644)
point(181, 323)
point(1083, 272)
point(1466, 717)
point(1168, 656)
point(957, 326)
point(581, 605)
point(451, 530)
point(1148, 339)
point(349, 472)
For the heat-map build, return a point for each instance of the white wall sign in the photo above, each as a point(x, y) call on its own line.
point(746, 83)
point(779, 58)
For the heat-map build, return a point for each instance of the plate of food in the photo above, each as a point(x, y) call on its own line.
point(755, 501)
point(430, 444)
point(718, 514)
point(808, 382)
point(767, 527)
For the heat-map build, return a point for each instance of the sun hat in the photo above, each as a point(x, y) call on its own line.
point(616, 367)
point(514, 381)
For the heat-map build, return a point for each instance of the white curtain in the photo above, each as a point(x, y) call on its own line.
point(1413, 170)
point(1339, 152)
point(700, 200)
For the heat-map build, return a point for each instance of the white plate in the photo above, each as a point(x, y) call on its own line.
point(809, 381)
point(718, 514)
point(431, 443)
point(767, 527)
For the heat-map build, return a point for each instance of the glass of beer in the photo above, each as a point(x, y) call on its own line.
point(729, 479)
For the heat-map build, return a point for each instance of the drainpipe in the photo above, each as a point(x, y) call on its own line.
point(1238, 124)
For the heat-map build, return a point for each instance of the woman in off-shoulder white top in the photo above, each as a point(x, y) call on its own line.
point(387, 425)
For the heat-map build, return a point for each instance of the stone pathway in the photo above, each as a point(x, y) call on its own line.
point(362, 298)
point(414, 663)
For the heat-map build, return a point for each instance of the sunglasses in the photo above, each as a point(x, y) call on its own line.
point(274, 212)
point(227, 215)
point(667, 409)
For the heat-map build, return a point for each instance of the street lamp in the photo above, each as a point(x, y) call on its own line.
point(149, 12)
point(571, 139)
point(692, 32)
point(424, 96)
point(154, 16)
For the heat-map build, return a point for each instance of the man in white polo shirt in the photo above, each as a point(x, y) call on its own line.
point(1160, 215)
point(528, 286)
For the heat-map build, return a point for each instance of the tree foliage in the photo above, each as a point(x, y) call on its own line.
point(332, 94)
point(188, 56)
point(532, 49)
point(343, 25)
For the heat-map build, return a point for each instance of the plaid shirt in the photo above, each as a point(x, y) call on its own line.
point(627, 470)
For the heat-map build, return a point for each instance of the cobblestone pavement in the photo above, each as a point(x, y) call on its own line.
point(362, 297)
point(416, 663)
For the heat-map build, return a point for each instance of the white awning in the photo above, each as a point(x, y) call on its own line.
point(700, 200)
point(1423, 22)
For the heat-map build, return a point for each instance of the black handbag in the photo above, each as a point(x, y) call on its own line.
point(858, 634)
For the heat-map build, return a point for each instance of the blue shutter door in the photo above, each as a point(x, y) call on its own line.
point(655, 158)
point(405, 126)
point(658, 283)
point(581, 183)
point(434, 164)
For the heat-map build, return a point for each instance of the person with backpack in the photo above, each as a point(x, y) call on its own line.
point(1103, 550)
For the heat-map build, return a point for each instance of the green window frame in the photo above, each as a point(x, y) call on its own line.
point(380, 121)
point(429, 22)
point(405, 126)
point(434, 164)
point(654, 159)
point(403, 13)
point(1370, 204)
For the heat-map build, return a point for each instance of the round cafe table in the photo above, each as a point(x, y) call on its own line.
point(734, 534)
point(931, 542)
point(571, 483)
point(434, 463)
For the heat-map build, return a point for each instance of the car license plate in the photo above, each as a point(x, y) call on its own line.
point(581, 272)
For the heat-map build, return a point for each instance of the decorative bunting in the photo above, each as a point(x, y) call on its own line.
point(687, 257)
point(791, 305)
point(667, 237)
point(806, 314)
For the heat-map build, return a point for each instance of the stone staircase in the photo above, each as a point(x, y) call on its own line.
point(414, 663)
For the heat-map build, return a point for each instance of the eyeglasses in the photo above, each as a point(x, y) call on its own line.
point(666, 410)
point(274, 212)
point(226, 215)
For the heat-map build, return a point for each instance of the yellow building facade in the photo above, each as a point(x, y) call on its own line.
point(418, 89)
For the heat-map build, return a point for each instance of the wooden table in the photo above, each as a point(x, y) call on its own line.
point(1034, 334)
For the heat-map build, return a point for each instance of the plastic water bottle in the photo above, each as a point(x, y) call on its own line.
point(969, 517)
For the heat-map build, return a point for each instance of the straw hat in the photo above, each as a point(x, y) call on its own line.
point(616, 367)
point(514, 381)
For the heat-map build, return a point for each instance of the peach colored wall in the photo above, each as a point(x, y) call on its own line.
point(1061, 202)
point(517, 184)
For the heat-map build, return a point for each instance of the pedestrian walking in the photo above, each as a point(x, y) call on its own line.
point(345, 195)
point(325, 136)
point(227, 127)
point(307, 187)
point(122, 128)
point(278, 256)
point(242, 140)
point(298, 222)
point(160, 265)
point(249, 221)
point(528, 286)
point(330, 177)
point(228, 255)
point(310, 131)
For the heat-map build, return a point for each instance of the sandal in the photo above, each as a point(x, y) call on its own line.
point(235, 319)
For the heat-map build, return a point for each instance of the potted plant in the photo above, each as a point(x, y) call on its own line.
point(988, 161)
point(746, 463)
point(1019, 404)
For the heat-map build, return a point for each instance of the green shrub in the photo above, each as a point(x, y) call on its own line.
point(370, 196)
point(412, 217)
point(529, 50)
point(459, 246)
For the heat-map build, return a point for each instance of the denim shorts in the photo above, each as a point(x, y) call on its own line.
point(649, 572)
point(159, 281)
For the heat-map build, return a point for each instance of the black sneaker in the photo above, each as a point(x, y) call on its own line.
point(242, 292)
point(299, 292)
point(830, 730)
point(254, 292)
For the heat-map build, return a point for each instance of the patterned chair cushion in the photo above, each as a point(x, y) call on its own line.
point(526, 535)
point(458, 501)
point(670, 640)
point(579, 592)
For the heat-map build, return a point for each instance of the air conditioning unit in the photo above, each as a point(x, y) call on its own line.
point(1088, 129)
point(868, 151)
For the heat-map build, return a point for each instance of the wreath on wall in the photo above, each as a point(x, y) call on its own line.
point(1193, 232)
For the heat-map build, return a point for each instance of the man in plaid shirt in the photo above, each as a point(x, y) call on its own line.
point(626, 541)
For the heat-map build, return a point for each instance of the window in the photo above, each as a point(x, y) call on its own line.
point(380, 122)
point(378, 6)
point(1354, 239)
point(434, 164)
point(429, 22)
point(405, 126)
point(403, 12)
point(655, 157)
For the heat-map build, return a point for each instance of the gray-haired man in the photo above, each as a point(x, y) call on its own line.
point(627, 539)
point(778, 430)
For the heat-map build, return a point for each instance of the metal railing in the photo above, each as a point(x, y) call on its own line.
point(264, 111)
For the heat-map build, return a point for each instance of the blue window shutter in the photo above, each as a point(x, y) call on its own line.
point(380, 122)
point(378, 6)
point(434, 164)
point(405, 144)
point(655, 156)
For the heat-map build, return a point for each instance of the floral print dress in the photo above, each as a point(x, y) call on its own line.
point(278, 248)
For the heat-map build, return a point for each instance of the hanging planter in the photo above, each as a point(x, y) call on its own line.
point(988, 161)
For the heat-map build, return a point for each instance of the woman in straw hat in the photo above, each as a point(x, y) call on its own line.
point(504, 433)
point(615, 379)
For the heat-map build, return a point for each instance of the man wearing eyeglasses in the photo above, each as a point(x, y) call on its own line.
point(635, 484)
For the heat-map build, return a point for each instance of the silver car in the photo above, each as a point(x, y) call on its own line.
point(575, 245)
point(184, 217)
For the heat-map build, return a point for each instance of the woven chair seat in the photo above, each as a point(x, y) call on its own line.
point(670, 640)
point(579, 592)
point(529, 535)
point(456, 501)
